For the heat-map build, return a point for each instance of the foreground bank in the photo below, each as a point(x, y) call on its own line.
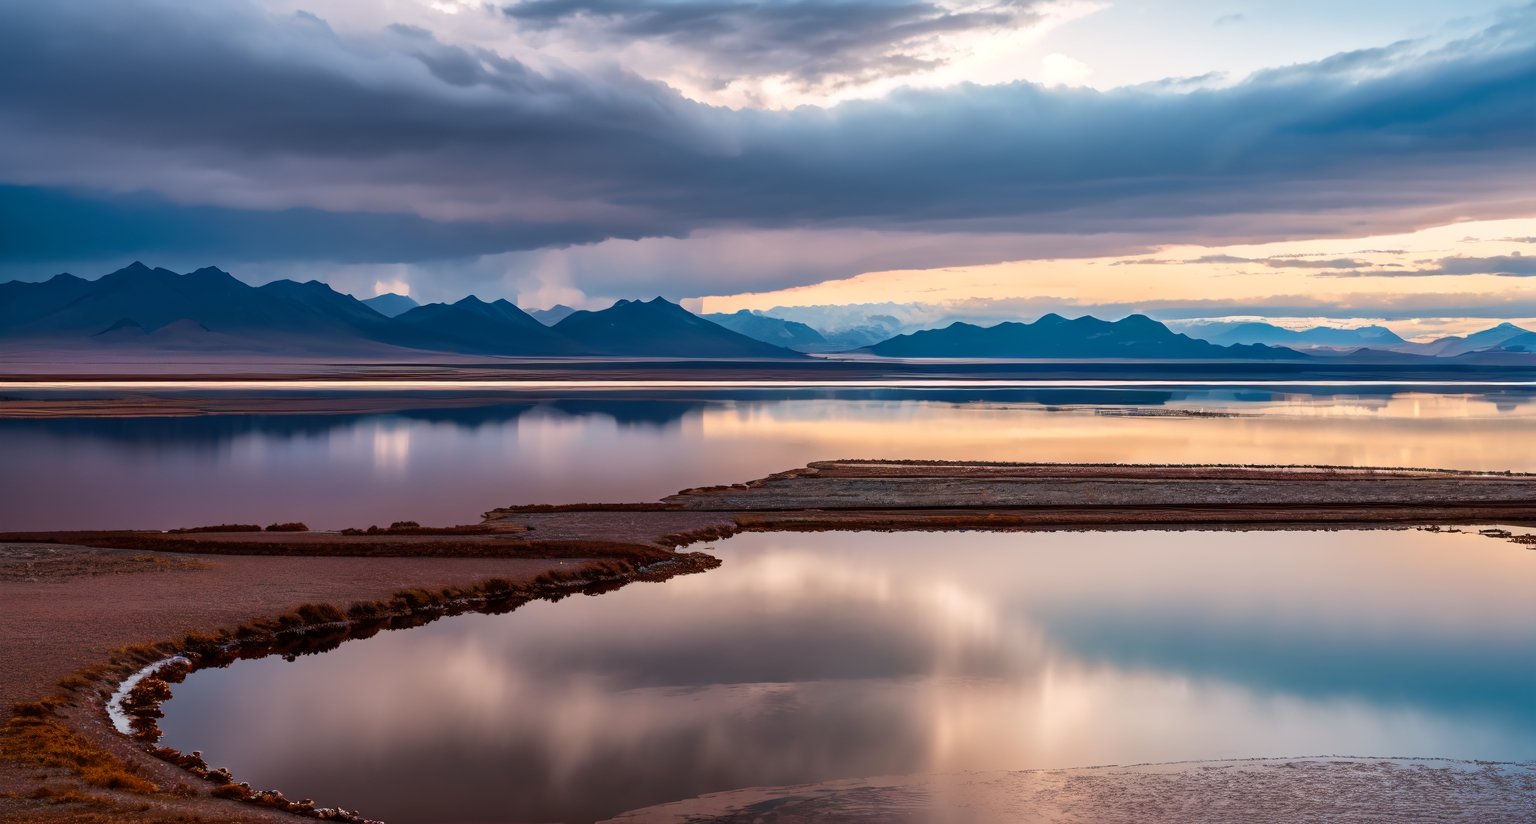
point(837, 495)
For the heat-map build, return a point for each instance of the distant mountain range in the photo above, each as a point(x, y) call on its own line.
point(211, 311)
point(787, 333)
point(1503, 336)
point(1378, 338)
point(1054, 336)
point(662, 329)
point(1268, 334)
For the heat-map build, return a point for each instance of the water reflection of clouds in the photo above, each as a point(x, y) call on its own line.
point(391, 446)
point(346, 470)
point(811, 657)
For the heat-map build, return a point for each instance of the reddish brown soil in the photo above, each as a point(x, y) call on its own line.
point(67, 608)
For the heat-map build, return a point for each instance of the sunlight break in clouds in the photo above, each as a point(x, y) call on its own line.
point(1450, 279)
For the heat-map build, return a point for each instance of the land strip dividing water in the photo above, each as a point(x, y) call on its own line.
point(86, 609)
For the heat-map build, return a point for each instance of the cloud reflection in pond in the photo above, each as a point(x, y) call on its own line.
point(810, 657)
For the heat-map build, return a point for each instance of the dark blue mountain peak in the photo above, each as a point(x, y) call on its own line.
point(1052, 336)
point(660, 328)
point(136, 271)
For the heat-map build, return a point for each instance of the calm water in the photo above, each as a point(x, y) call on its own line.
point(448, 465)
point(837, 655)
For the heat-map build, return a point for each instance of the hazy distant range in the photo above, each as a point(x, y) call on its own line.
point(208, 311)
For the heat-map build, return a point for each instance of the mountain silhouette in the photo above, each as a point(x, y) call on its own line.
point(1497, 337)
point(1268, 334)
point(390, 304)
point(151, 298)
point(659, 328)
point(211, 310)
point(789, 333)
point(552, 315)
point(21, 302)
point(475, 326)
point(1054, 336)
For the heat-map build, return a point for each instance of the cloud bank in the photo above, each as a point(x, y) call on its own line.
point(810, 44)
point(146, 127)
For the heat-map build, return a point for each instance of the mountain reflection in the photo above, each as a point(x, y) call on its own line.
point(444, 458)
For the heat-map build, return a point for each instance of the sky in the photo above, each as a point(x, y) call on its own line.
point(1348, 162)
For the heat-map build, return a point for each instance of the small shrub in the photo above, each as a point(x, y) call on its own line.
point(293, 526)
point(218, 528)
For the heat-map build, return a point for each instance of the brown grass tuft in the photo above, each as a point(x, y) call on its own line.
point(36, 736)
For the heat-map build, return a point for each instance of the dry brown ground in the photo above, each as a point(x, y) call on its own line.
point(67, 608)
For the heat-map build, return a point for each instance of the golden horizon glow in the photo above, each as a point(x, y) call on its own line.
point(1281, 273)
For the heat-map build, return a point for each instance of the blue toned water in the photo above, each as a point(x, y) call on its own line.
point(813, 657)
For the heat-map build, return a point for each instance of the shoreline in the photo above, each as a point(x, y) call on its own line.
point(517, 554)
point(73, 736)
point(137, 700)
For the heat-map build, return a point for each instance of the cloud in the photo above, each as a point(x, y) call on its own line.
point(1331, 263)
point(1515, 265)
point(812, 44)
point(222, 126)
point(47, 224)
point(1509, 266)
point(1274, 262)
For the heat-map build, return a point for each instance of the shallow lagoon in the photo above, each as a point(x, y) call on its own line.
point(811, 657)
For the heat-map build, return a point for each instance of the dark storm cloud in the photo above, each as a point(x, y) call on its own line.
point(248, 114)
point(47, 225)
point(814, 43)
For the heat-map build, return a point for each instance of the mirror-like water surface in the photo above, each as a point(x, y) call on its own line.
point(448, 465)
point(812, 657)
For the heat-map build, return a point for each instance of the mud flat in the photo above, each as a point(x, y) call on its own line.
point(84, 610)
point(953, 495)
